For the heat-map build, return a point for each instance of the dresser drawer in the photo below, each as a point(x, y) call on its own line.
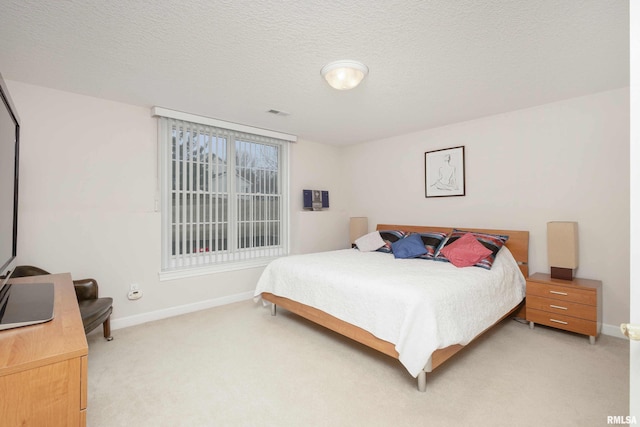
point(561, 321)
point(567, 308)
point(563, 293)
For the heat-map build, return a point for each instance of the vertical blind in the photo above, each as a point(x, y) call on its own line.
point(225, 195)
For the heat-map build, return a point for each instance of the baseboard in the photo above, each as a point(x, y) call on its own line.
point(124, 322)
point(612, 330)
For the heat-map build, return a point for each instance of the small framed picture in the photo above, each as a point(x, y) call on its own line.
point(444, 172)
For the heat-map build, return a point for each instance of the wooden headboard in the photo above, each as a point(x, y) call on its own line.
point(518, 242)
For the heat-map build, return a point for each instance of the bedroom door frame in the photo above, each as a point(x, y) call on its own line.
point(634, 285)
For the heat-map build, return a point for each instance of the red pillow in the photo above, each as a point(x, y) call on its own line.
point(466, 251)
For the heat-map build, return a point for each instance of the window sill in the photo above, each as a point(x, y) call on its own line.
point(187, 272)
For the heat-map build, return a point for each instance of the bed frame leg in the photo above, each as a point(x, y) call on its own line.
point(422, 381)
point(273, 309)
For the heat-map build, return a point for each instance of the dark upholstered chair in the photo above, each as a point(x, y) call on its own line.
point(93, 310)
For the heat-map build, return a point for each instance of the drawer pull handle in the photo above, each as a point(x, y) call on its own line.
point(559, 293)
point(558, 307)
point(559, 321)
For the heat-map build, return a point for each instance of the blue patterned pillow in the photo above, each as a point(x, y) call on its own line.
point(431, 241)
point(409, 247)
point(493, 242)
point(389, 237)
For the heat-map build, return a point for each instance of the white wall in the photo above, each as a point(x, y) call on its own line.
point(88, 187)
point(87, 197)
point(318, 167)
point(561, 161)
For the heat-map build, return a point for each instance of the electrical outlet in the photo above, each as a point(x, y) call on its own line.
point(134, 292)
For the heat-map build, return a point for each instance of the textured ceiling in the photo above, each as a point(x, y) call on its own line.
point(431, 63)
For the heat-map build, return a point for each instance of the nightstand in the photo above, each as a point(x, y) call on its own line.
point(572, 305)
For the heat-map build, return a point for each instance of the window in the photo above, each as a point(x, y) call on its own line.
point(224, 191)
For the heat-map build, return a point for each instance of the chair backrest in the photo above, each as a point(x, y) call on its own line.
point(28, 270)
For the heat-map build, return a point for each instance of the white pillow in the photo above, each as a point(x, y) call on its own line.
point(370, 242)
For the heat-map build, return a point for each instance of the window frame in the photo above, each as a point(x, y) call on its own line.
point(168, 270)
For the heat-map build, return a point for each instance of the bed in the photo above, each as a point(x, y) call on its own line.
point(408, 309)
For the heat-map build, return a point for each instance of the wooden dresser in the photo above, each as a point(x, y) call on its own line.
point(43, 368)
point(573, 305)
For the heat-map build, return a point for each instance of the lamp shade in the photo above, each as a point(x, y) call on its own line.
point(562, 246)
point(345, 74)
point(358, 227)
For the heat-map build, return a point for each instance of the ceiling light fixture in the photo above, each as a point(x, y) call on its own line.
point(345, 74)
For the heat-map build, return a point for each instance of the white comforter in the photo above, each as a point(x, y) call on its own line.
point(418, 305)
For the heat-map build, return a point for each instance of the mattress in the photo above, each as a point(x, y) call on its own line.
point(416, 304)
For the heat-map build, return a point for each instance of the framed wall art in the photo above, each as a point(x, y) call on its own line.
point(444, 172)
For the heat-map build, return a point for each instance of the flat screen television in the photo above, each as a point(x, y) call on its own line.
point(19, 305)
point(9, 154)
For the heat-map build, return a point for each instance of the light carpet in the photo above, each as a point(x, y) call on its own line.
point(236, 365)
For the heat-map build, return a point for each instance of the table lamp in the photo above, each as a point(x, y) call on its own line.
point(562, 248)
point(358, 227)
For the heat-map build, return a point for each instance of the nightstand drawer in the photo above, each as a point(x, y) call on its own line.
point(567, 308)
point(560, 321)
point(565, 293)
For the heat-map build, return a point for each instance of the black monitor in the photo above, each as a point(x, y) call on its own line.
point(9, 155)
point(20, 305)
